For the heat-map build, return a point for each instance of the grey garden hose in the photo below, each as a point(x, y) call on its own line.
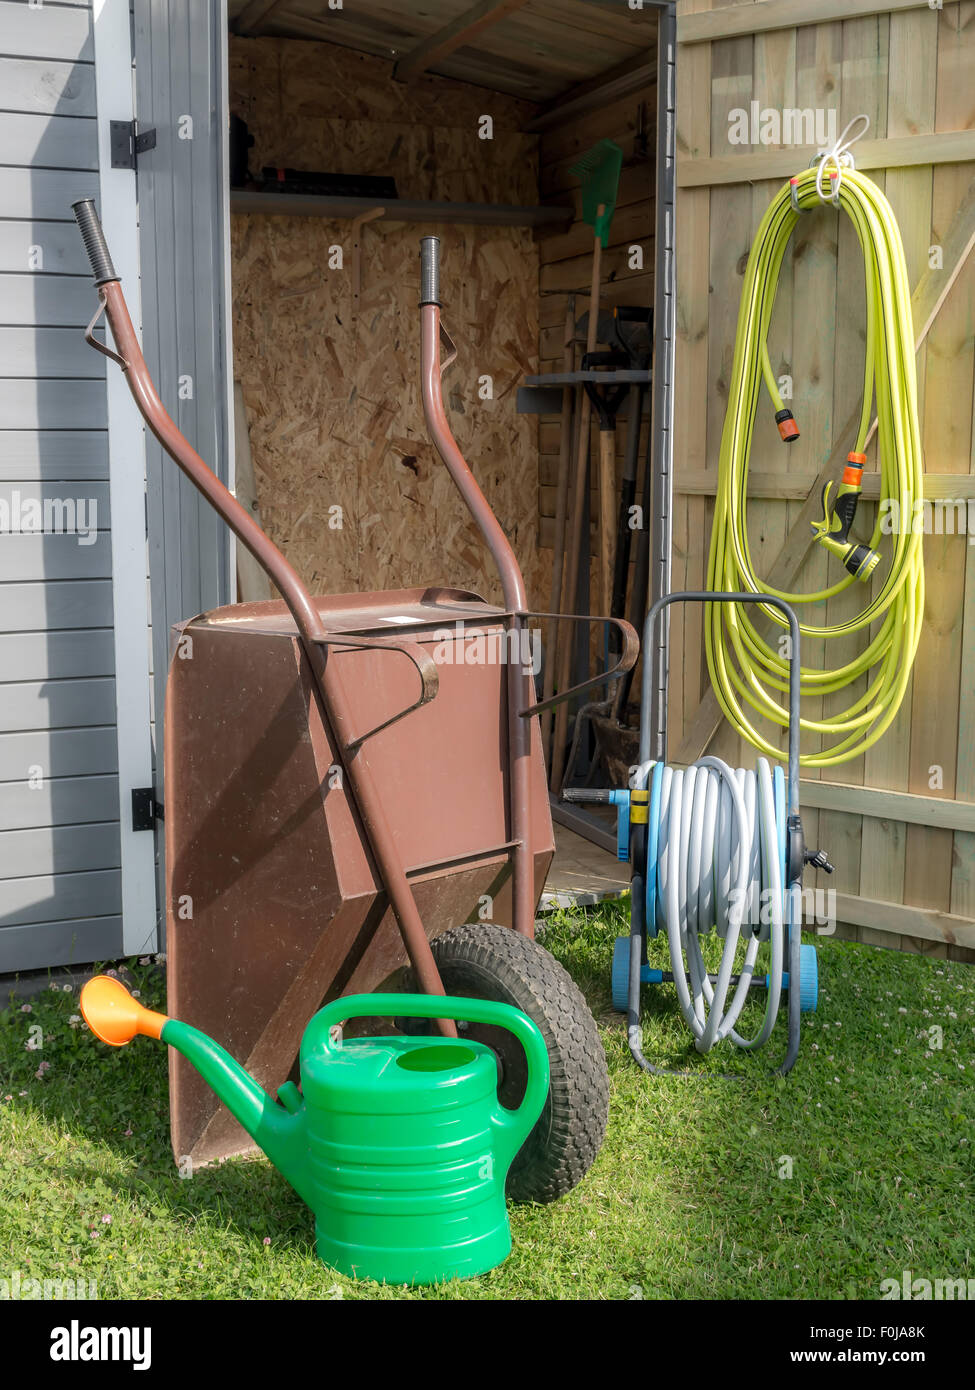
point(719, 862)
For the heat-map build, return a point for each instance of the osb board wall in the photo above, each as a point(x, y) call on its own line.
point(899, 881)
point(333, 397)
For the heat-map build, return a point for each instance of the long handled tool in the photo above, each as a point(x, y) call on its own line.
point(627, 330)
point(561, 509)
point(599, 172)
point(633, 327)
point(606, 401)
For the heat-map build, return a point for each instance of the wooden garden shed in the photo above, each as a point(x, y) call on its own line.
point(282, 334)
point(294, 370)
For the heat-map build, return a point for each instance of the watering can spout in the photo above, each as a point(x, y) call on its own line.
point(115, 1017)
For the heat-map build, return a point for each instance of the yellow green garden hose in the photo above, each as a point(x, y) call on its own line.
point(749, 673)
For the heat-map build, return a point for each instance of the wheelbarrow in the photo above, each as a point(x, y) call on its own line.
point(355, 790)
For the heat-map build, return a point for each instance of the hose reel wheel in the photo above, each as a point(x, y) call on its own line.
point(808, 978)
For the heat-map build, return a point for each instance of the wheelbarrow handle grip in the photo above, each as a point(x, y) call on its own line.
point(318, 1037)
point(430, 270)
point(94, 239)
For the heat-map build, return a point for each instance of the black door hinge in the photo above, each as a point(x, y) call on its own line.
point(146, 810)
point(127, 143)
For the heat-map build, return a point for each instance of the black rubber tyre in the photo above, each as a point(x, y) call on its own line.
point(484, 961)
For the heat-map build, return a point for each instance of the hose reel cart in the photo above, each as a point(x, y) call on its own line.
point(713, 848)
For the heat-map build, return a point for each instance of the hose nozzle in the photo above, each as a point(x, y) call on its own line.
point(833, 531)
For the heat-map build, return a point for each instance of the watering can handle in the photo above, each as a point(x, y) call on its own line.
point(518, 1122)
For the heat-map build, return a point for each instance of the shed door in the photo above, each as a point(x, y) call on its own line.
point(184, 218)
point(76, 882)
point(184, 227)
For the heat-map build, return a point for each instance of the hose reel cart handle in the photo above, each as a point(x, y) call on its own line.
point(796, 855)
point(659, 754)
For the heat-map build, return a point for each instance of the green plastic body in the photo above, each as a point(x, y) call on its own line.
point(399, 1145)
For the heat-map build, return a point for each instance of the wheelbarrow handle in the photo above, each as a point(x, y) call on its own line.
point(627, 659)
point(140, 383)
point(362, 784)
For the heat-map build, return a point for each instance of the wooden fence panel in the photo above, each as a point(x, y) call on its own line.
point(905, 873)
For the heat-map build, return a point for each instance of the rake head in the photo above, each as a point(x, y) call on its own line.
point(599, 173)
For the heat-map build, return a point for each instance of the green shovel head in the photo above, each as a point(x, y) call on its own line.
point(599, 173)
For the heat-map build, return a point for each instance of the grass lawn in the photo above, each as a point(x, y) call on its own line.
point(685, 1201)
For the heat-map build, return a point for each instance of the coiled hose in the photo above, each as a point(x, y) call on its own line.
point(749, 672)
point(715, 859)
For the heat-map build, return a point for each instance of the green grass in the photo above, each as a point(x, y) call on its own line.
point(685, 1200)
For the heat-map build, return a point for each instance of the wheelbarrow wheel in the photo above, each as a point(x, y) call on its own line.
point(483, 961)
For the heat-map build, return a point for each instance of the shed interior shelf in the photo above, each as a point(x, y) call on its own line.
point(399, 210)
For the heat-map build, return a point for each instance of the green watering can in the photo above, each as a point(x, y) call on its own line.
point(399, 1145)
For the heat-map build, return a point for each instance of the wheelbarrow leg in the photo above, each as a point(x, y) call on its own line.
point(519, 744)
point(379, 837)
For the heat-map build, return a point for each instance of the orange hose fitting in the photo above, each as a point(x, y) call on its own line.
point(788, 428)
point(853, 472)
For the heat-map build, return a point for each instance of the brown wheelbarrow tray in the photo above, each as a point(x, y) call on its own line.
point(344, 785)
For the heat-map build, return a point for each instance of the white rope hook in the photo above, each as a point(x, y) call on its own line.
point(837, 158)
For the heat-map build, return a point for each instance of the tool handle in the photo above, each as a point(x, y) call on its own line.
point(607, 514)
point(318, 1038)
point(94, 239)
point(430, 270)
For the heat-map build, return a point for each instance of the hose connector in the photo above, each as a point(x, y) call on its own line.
point(833, 531)
point(788, 428)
